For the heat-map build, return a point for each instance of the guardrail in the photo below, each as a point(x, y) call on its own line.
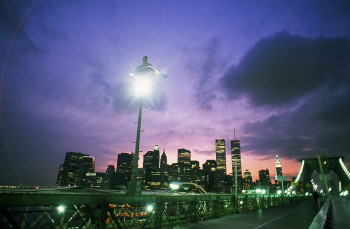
point(108, 210)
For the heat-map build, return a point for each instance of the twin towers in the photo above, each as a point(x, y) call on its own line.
point(236, 162)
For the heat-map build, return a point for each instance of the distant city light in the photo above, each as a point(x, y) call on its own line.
point(279, 192)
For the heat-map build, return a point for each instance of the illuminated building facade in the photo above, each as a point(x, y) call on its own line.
point(220, 161)
point(247, 180)
point(194, 172)
point(174, 171)
point(278, 166)
point(183, 155)
point(68, 174)
point(236, 159)
point(153, 172)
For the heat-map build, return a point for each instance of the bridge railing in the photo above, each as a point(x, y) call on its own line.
point(98, 210)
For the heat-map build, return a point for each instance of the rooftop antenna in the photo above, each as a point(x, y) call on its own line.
point(234, 133)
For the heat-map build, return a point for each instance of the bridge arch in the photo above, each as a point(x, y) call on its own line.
point(336, 173)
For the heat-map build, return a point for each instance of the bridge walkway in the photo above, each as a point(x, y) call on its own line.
point(295, 215)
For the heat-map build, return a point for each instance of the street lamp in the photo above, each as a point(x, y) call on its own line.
point(143, 75)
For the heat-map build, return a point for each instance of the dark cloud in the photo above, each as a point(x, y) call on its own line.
point(9, 16)
point(282, 70)
point(13, 15)
point(205, 66)
point(319, 125)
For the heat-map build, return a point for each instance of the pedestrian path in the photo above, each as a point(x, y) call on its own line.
point(295, 215)
point(335, 214)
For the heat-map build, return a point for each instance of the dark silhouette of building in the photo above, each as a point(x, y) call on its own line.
point(236, 159)
point(264, 178)
point(68, 173)
point(163, 161)
point(164, 171)
point(220, 161)
point(227, 188)
point(87, 175)
point(124, 166)
point(109, 179)
point(209, 168)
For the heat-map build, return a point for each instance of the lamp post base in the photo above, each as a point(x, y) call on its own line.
point(134, 188)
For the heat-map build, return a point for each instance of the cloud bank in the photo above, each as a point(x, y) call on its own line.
point(305, 85)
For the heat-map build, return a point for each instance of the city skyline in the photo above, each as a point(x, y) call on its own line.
point(273, 74)
point(155, 153)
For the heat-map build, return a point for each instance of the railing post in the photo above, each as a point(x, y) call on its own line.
point(99, 216)
point(216, 207)
point(194, 211)
point(159, 209)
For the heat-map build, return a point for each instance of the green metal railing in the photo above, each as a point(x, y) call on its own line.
point(107, 210)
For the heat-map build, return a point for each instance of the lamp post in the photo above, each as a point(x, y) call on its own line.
point(142, 75)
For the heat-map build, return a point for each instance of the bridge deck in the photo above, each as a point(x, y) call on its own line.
point(296, 215)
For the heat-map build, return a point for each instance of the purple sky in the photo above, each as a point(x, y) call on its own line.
point(276, 71)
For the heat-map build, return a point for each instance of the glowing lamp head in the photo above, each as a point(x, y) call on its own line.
point(60, 209)
point(142, 86)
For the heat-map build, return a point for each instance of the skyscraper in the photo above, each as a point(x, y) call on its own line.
point(109, 179)
point(124, 166)
point(151, 158)
point(278, 166)
point(153, 173)
point(264, 178)
point(247, 179)
point(156, 155)
point(69, 171)
point(86, 171)
point(164, 171)
point(236, 159)
point(220, 159)
point(209, 168)
point(183, 155)
point(163, 161)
